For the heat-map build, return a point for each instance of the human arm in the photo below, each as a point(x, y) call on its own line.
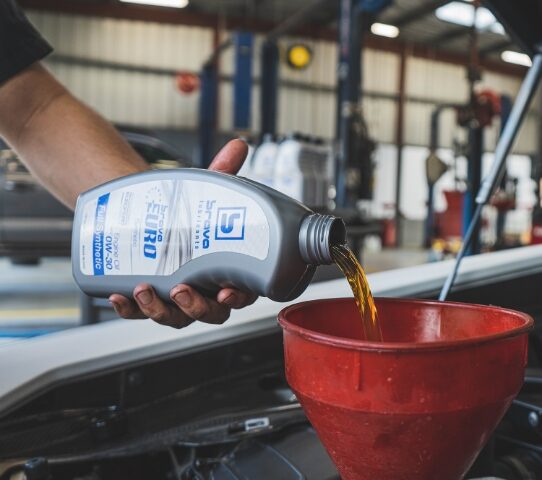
point(70, 148)
point(64, 143)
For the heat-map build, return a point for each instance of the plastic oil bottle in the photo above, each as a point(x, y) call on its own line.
point(207, 229)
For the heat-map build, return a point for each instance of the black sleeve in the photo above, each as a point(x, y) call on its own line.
point(20, 44)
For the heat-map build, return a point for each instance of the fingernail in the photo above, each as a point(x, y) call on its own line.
point(114, 304)
point(183, 298)
point(145, 297)
point(230, 300)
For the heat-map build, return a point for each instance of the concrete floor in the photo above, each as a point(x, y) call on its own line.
point(33, 298)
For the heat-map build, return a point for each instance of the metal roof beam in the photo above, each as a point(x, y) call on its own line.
point(299, 18)
point(417, 13)
point(165, 15)
point(170, 16)
point(449, 35)
point(496, 47)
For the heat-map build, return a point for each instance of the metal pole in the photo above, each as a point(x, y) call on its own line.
point(399, 140)
point(433, 145)
point(349, 81)
point(540, 123)
point(207, 114)
point(429, 221)
point(525, 95)
point(474, 175)
point(506, 106)
point(208, 105)
point(270, 65)
point(269, 87)
point(242, 81)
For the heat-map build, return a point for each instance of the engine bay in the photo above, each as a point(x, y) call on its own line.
point(224, 411)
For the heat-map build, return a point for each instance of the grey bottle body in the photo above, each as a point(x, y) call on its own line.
point(265, 260)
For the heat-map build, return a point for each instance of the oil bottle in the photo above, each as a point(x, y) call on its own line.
point(207, 229)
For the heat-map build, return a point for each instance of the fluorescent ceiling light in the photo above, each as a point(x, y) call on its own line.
point(462, 13)
point(517, 58)
point(160, 3)
point(384, 30)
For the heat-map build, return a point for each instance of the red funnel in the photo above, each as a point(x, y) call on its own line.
point(419, 406)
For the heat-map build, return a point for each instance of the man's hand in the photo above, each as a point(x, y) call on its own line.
point(189, 304)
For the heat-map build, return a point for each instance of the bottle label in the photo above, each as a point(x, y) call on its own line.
point(155, 227)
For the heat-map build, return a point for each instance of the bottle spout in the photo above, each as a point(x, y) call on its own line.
point(317, 235)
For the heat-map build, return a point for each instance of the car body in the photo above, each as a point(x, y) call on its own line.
point(126, 399)
point(33, 223)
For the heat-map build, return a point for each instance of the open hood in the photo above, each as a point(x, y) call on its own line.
point(522, 19)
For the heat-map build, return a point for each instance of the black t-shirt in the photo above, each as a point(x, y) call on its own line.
point(20, 44)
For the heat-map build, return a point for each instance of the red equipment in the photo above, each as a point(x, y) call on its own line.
point(419, 406)
point(187, 82)
point(484, 105)
point(449, 223)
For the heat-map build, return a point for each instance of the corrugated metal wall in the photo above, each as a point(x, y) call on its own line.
point(128, 97)
point(150, 99)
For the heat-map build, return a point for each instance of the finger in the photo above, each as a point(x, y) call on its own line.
point(125, 307)
point(199, 307)
point(235, 298)
point(230, 159)
point(159, 311)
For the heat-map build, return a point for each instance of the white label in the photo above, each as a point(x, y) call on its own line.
point(153, 228)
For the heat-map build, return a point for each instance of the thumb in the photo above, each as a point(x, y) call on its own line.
point(230, 159)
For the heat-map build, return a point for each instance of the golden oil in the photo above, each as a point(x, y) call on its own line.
point(353, 271)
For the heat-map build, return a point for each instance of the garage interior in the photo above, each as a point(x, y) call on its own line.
point(418, 122)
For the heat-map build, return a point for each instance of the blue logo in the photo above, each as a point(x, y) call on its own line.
point(230, 223)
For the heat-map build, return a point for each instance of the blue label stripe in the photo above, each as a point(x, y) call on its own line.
point(98, 236)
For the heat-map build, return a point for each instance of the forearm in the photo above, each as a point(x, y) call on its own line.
point(65, 144)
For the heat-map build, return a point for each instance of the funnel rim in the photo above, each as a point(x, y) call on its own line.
point(365, 345)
